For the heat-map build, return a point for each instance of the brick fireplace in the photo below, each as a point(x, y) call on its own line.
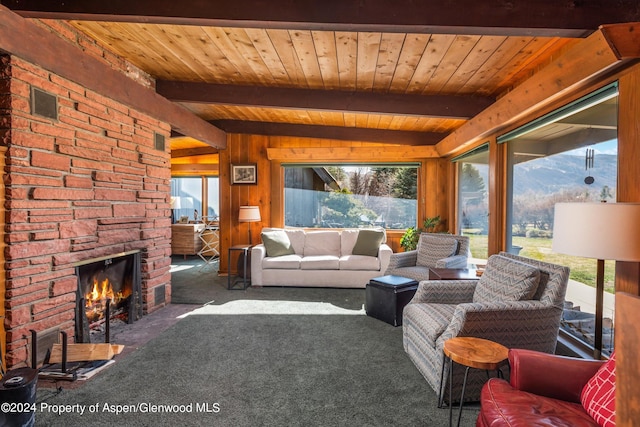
point(89, 183)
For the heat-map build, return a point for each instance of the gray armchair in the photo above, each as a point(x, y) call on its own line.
point(517, 302)
point(435, 250)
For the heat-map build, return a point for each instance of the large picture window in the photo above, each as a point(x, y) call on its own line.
point(351, 196)
point(190, 194)
point(473, 199)
point(569, 155)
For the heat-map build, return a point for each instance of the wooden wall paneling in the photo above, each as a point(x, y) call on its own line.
point(435, 182)
point(276, 219)
point(497, 196)
point(452, 196)
point(628, 273)
point(225, 203)
point(627, 345)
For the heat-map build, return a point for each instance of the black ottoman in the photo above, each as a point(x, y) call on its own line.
point(386, 297)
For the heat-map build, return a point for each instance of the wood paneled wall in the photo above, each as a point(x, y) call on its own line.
point(628, 273)
point(433, 186)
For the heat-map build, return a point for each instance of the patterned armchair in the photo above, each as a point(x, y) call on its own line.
point(435, 250)
point(517, 302)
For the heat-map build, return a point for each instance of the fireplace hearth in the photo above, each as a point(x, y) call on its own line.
point(109, 291)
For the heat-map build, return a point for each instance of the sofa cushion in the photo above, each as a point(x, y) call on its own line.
point(320, 262)
point(368, 242)
point(502, 405)
point(433, 248)
point(297, 237)
point(322, 243)
point(505, 279)
point(359, 262)
point(348, 239)
point(284, 262)
point(277, 243)
point(598, 396)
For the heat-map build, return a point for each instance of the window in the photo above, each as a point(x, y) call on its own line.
point(190, 194)
point(473, 199)
point(569, 155)
point(351, 196)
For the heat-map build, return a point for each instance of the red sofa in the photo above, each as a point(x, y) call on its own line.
point(544, 390)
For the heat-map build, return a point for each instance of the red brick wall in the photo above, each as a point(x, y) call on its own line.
point(90, 184)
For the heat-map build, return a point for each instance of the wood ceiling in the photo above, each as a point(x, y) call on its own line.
point(398, 71)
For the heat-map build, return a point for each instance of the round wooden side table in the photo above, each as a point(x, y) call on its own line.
point(470, 352)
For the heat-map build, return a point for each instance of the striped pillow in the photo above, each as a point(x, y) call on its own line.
point(431, 249)
point(505, 279)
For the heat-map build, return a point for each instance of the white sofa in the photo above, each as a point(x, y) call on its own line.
point(320, 258)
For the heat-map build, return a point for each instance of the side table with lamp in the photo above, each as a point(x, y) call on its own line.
point(246, 214)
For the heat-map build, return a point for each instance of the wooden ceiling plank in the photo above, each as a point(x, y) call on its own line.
point(349, 119)
point(141, 53)
point(496, 17)
point(481, 83)
point(267, 51)
point(459, 50)
point(22, 38)
point(208, 55)
point(520, 66)
point(325, 46)
point(578, 66)
point(221, 38)
point(287, 54)
point(164, 36)
point(347, 51)
point(368, 49)
point(412, 52)
point(462, 107)
point(481, 53)
point(330, 132)
point(306, 52)
point(390, 48)
point(243, 44)
point(430, 61)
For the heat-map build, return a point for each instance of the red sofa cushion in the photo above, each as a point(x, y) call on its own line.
point(599, 394)
point(502, 405)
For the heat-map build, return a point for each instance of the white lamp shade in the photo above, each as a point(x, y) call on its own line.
point(176, 202)
point(607, 231)
point(249, 214)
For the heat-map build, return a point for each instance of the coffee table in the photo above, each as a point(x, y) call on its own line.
point(453, 274)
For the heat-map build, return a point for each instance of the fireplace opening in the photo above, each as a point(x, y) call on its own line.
point(109, 294)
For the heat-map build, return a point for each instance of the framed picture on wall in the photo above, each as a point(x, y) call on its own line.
point(244, 173)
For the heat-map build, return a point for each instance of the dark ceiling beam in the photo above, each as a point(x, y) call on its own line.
point(449, 107)
point(195, 151)
point(24, 39)
point(562, 18)
point(330, 132)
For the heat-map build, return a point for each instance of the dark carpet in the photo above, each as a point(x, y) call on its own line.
point(258, 357)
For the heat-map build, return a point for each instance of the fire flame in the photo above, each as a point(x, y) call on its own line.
point(97, 296)
point(99, 291)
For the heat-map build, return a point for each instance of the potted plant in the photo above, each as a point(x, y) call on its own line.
point(409, 240)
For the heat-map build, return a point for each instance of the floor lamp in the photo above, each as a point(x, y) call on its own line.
point(604, 231)
point(176, 203)
point(249, 214)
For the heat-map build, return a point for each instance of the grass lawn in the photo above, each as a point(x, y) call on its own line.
point(582, 269)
